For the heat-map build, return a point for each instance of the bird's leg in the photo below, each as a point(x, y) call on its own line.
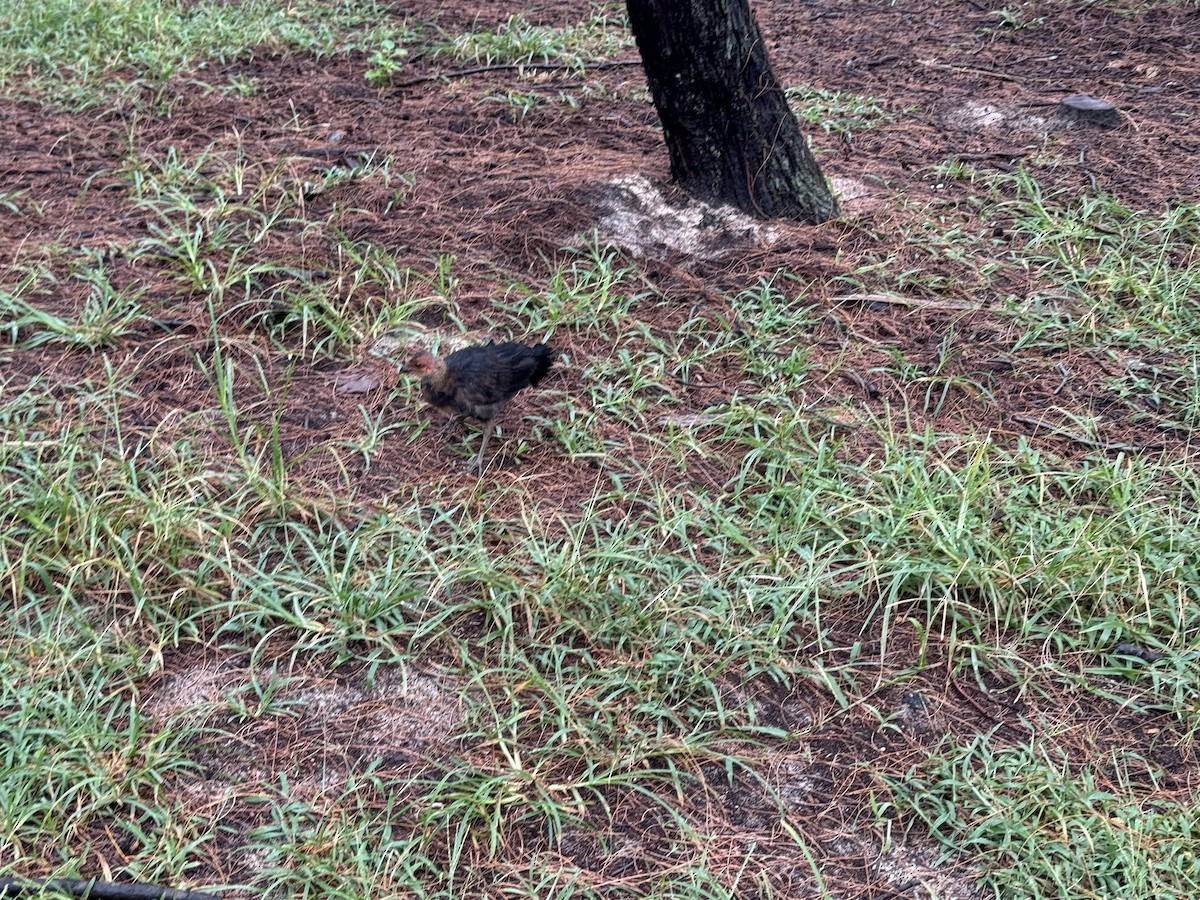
point(487, 433)
point(449, 424)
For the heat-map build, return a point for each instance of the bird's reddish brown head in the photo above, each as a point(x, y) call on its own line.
point(422, 362)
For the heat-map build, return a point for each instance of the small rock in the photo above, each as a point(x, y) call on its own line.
point(1089, 110)
point(360, 384)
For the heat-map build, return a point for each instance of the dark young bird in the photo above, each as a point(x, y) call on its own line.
point(479, 381)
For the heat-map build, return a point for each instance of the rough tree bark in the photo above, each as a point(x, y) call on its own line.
point(731, 137)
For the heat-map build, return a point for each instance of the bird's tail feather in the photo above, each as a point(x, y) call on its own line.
point(545, 359)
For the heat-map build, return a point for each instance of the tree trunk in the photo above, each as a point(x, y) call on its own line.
point(731, 137)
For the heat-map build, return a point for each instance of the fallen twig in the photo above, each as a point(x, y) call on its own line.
point(509, 67)
point(1082, 440)
point(910, 302)
point(97, 890)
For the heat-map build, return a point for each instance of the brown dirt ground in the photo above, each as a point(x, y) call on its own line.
point(504, 197)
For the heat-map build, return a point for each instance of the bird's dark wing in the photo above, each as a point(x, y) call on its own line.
point(489, 375)
point(527, 364)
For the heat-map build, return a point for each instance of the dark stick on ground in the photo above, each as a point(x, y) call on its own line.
point(96, 890)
